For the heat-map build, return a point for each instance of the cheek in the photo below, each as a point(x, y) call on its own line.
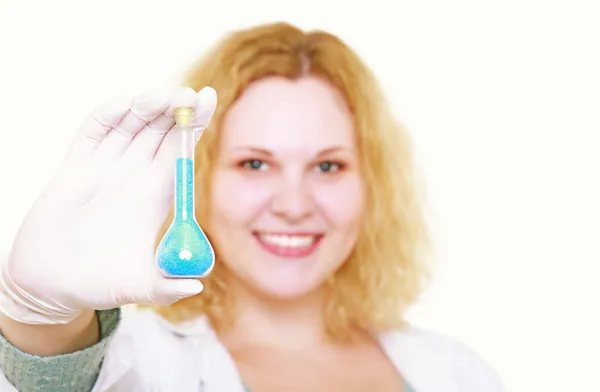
point(235, 200)
point(341, 202)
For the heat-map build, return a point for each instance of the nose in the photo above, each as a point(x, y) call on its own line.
point(292, 200)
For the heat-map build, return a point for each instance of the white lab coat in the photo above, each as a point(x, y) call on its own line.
point(149, 354)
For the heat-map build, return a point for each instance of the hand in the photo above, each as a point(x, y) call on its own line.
point(88, 242)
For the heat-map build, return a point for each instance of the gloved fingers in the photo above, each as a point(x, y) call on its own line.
point(95, 128)
point(148, 140)
point(145, 109)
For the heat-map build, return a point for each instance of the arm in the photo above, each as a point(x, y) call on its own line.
point(64, 371)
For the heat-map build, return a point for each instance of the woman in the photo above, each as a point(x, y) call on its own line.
point(309, 200)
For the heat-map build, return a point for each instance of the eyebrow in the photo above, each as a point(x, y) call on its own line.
point(263, 151)
point(333, 149)
point(258, 150)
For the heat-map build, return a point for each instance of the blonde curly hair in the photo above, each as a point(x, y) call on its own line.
point(388, 267)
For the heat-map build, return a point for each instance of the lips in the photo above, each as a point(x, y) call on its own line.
point(289, 245)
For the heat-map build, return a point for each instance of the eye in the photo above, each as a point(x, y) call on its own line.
point(329, 167)
point(254, 164)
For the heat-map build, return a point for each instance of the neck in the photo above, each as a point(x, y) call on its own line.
point(281, 323)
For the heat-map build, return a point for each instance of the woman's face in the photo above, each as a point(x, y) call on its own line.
point(287, 194)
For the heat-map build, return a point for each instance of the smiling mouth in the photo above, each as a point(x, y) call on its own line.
point(289, 245)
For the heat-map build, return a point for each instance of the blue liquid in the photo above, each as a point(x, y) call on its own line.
point(184, 251)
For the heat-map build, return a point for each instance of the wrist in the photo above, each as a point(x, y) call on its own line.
point(52, 339)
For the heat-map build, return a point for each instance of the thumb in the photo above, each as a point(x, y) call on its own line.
point(207, 104)
point(168, 291)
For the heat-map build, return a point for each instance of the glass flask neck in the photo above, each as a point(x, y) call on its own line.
point(184, 175)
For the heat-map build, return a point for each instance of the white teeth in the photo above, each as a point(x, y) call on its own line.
point(286, 241)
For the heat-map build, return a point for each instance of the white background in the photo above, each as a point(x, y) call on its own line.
point(502, 99)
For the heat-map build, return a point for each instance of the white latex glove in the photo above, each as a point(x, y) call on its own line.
point(88, 242)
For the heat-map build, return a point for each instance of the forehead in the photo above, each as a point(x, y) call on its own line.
point(286, 115)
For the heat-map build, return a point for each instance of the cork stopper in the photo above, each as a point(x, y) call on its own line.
point(184, 116)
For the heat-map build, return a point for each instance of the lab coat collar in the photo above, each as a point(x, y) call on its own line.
point(424, 363)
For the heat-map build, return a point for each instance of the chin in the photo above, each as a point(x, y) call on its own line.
point(279, 288)
point(286, 293)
